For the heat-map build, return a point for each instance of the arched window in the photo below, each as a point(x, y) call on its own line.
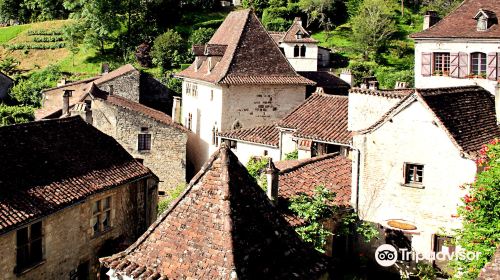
point(478, 63)
point(303, 51)
point(296, 51)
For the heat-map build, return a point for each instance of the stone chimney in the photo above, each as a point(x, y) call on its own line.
point(346, 76)
point(272, 177)
point(373, 85)
point(62, 82)
point(65, 106)
point(176, 109)
point(430, 18)
point(497, 102)
point(298, 20)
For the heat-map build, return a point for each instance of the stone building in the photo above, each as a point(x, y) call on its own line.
point(68, 195)
point(6, 83)
point(316, 127)
point(147, 134)
point(126, 81)
point(221, 227)
point(461, 49)
point(240, 79)
point(411, 160)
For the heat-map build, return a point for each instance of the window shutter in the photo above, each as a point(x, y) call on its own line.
point(463, 62)
point(498, 66)
point(454, 65)
point(492, 66)
point(426, 64)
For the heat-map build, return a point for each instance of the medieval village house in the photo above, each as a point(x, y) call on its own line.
point(68, 195)
point(240, 79)
point(205, 234)
point(461, 49)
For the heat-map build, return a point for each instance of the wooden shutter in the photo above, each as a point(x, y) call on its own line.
point(463, 62)
point(498, 66)
point(492, 66)
point(426, 64)
point(454, 65)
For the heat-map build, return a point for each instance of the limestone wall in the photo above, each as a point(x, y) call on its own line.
point(126, 85)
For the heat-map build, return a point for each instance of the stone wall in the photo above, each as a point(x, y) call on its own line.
point(383, 194)
point(167, 157)
point(67, 235)
point(126, 85)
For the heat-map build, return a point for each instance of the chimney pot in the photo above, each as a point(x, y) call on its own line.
point(272, 177)
point(346, 76)
point(65, 106)
point(176, 109)
point(430, 19)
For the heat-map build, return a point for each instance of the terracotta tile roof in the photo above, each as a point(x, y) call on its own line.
point(304, 176)
point(221, 227)
point(143, 110)
point(389, 93)
point(265, 134)
point(251, 56)
point(277, 36)
point(491, 270)
point(290, 35)
point(52, 102)
point(467, 114)
point(326, 80)
point(461, 23)
point(49, 165)
point(321, 117)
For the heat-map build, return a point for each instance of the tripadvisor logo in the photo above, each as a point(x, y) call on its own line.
point(386, 255)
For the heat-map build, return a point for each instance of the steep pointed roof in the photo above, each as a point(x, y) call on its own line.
point(221, 227)
point(251, 55)
point(297, 34)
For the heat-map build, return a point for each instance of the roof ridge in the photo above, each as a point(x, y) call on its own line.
point(308, 161)
point(440, 21)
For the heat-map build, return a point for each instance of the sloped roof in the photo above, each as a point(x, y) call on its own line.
point(290, 35)
point(326, 80)
point(251, 56)
point(321, 117)
point(389, 93)
point(223, 226)
point(49, 165)
point(461, 23)
point(277, 36)
point(52, 102)
point(467, 114)
point(264, 134)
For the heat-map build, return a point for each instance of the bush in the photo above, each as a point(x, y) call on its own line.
point(27, 91)
point(277, 24)
point(172, 195)
point(201, 36)
point(32, 46)
point(168, 50)
point(292, 155)
point(45, 32)
point(256, 168)
point(45, 39)
point(9, 65)
point(387, 77)
point(361, 69)
point(214, 23)
point(270, 14)
point(15, 114)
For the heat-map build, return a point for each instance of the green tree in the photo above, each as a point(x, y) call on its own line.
point(314, 210)
point(9, 65)
point(257, 5)
point(373, 26)
point(73, 34)
point(15, 114)
point(27, 91)
point(201, 36)
point(100, 20)
point(443, 7)
point(480, 215)
point(168, 50)
point(9, 10)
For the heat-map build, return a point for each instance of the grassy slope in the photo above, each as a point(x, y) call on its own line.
point(8, 33)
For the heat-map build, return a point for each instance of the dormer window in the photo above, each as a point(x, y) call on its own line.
point(485, 19)
point(298, 35)
point(482, 24)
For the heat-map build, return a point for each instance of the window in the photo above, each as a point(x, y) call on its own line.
point(192, 89)
point(414, 174)
point(296, 51)
point(482, 23)
point(441, 63)
point(189, 121)
point(101, 215)
point(214, 135)
point(29, 246)
point(298, 35)
point(478, 63)
point(144, 142)
point(303, 51)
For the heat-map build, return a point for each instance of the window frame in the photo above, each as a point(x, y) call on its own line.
point(29, 260)
point(414, 182)
point(441, 62)
point(101, 211)
point(478, 60)
point(296, 51)
point(144, 142)
point(303, 51)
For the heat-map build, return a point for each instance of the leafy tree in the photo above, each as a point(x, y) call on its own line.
point(168, 50)
point(9, 10)
point(100, 21)
point(73, 35)
point(324, 13)
point(28, 91)
point(443, 7)
point(257, 5)
point(352, 7)
point(201, 36)
point(373, 26)
point(480, 214)
point(15, 114)
point(314, 210)
point(292, 155)
point(173, 194)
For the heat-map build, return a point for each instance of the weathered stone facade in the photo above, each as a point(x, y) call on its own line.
point(167, 155)
point(126, 85)
point(68, 239)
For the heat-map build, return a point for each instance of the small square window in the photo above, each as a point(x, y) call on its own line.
point(414, 174)
point(144, 142)
point(101, 215)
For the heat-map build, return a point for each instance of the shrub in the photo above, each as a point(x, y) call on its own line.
point(15, 114)
point(256, 168)
point(172, 195)
point(292, 155)
point(362, 69)
point(45, 32)
point(45, 39)
point(168, 50)
point(27, 90)
point(9, 65)
point(214, 23)
point(33, 46)
point(201, 36)
point(388, 76)
point(277, 24)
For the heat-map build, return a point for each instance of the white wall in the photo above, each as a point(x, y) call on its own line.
point(452, 46)
point(365, 109)
point(384, 196)
point(307, 63)
point(246, 150)
point(286, 142)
